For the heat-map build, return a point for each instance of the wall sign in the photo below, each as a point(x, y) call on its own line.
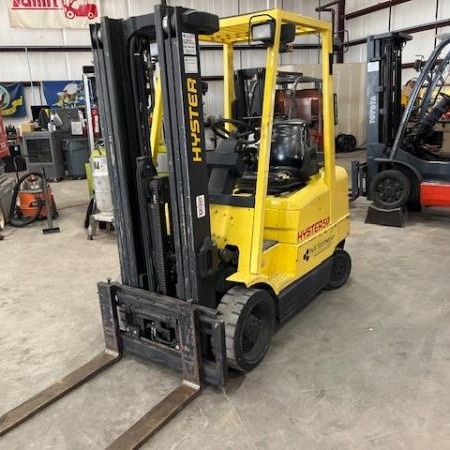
point(12, 102)
point(53, 13)
point(63, 93)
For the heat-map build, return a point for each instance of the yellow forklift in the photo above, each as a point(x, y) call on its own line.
point(228, 243)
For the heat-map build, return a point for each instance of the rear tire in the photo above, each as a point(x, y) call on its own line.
point(249, 316)
point(340, 269)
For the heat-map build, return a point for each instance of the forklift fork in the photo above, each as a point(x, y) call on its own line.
point(59, 389)
point(164, 411)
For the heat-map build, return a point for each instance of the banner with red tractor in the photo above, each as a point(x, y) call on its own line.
point(53, 13)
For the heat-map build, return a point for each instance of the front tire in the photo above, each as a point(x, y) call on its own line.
point(249, 316)
point(390, 189)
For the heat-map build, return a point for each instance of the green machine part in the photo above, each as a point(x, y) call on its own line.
point(96, 153)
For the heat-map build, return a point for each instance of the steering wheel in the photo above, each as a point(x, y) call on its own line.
point(218, 128)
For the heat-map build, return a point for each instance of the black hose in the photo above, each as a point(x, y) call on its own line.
point(424, 127)
point(22, 222)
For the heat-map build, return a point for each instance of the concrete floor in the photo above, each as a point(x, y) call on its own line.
point(363, 367)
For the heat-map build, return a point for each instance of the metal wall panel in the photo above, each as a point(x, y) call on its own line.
point(355, 5)
point(356, 54)
point(211, 62)
point(213, 100)
point(12, 67)
point(307, 8)
point(443, 9)
point(246, 6)
point(443, 12)
point(252, 58)
point(51, 66)
point(350, 87)
point(421, 44)
point(301, 57)
point(373, 23)
point(413, 13)
point(47, 66)
point(408, 74)
point(221, 8)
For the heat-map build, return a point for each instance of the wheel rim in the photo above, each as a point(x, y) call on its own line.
point(256, 332)
point(389, 190)
point(251, 333)
point(339, 269)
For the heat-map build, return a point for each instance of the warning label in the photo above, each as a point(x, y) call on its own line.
point(189, 47)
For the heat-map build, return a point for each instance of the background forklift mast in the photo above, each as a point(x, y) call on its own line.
point(384, 109)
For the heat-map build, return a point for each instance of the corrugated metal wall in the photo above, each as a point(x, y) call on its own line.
point(350, 85)
point(55, 66)
point(404, 15)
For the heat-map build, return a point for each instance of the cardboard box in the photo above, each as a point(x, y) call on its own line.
point(27, 128)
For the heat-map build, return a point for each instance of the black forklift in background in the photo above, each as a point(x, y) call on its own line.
point(405, 169)
point(384, 112)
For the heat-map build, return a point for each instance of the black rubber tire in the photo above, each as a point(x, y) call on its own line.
point(246, 312)
point(340, 270)
point(390, 189)
point(413, 204)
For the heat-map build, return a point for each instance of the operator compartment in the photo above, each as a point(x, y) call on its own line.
point(296, 142)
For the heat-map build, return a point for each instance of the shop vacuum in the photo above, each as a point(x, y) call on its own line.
point(33, 200)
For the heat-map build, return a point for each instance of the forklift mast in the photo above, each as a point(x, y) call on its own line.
point(384, 89)
point(167, 258)
point(177, 261)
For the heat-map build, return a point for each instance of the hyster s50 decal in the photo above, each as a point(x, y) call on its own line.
point(313, 229)
point(194, 122)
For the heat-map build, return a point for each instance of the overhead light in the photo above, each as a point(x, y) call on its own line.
point(263, 32)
